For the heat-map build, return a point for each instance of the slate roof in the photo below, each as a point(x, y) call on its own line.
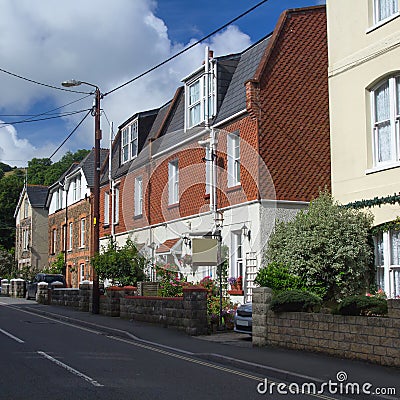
point(235, 98)
point(233, 71)
point(87, 165)
point(37, 195)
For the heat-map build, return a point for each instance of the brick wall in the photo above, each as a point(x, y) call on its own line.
point(289, 95)
point(374, 339)
point(79, 254)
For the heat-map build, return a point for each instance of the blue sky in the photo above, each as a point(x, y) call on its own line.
point(107, 43)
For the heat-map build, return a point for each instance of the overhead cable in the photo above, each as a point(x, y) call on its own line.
point(73, 131)
point(186, 48)
point(41, 83)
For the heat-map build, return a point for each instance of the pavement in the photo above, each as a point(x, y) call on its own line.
point(227, 348)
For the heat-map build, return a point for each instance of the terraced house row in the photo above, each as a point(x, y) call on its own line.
point(246, 140)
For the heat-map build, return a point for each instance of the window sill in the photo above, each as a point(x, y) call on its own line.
point(106, 226)
point(139, 216)
point(383, 22)
point(380, 168)
point(82, 247)
point(234, 188)
point(173, 206)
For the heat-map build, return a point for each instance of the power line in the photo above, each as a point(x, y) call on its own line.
point(55, 109)
point(73, 131)
point(40, 83)
point(66, 114)
point(186, 48)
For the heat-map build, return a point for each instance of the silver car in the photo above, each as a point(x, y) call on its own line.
point(243, 319)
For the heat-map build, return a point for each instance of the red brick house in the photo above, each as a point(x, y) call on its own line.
point(69, 224)
point(261, 139)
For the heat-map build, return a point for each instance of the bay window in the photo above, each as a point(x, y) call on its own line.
point(384, 9)
point(387, 262)
point(129, 141)
point(386, 113)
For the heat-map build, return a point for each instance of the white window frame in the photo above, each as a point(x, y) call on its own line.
point(173, 182)
point(82, 271)
point(233, 154)
point(393, 9)
point(116, 205)
point(237, 254)
point(129, 141)
point(106, 208)
point(392, 120)
point(78, 187)
point(199, 102)
point(25, 239)
point(26, 208)
point(138, 196)
point(70, 235)
point(83, 232)
point(386, 266)
point(53, 241)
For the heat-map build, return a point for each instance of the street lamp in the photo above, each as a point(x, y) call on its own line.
point(96, 188)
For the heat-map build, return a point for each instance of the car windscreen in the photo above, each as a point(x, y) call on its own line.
point(51, 279)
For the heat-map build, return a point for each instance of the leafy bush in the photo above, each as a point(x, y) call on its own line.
point(277, 277)
point(295, 300)
point(327, 246)
point(363, 305)
point(122, 265)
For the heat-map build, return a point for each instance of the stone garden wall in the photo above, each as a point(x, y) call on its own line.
point(374, 339)
point(188, 313)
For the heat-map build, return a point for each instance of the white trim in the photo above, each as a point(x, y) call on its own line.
point(234, 116)
point(384, 167)
point(188, 140)
point(248, 203)
point(383, 22)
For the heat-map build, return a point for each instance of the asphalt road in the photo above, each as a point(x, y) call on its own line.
point(44, 358)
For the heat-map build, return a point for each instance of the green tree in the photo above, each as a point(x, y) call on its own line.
point(7, 263)
point(326, 246)
point(42, 171)
point(10, 189)
point(37, 169)
point(122, 265)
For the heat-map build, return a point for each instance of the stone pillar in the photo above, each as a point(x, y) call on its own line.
point(394, 308)
point(5, 287)
point(42, 293)
point(261, 304)
point(195, 310)
point(17, 288)
point(84, 296)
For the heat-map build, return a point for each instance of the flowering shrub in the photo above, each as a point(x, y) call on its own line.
point(232, 281)
point(171, 285)
point(380, 294)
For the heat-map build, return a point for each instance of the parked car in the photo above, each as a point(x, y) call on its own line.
point(243, 319)
point(31, 286)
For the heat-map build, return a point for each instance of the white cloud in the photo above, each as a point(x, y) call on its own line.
point(15, 151)
point(103, 42)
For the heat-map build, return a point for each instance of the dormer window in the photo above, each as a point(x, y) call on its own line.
point(195, 94)
point(129, 141)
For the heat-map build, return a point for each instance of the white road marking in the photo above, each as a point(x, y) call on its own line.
point(70, 369)
point(11, 336)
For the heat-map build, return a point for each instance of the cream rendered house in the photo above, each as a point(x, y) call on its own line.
point(364, 90)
